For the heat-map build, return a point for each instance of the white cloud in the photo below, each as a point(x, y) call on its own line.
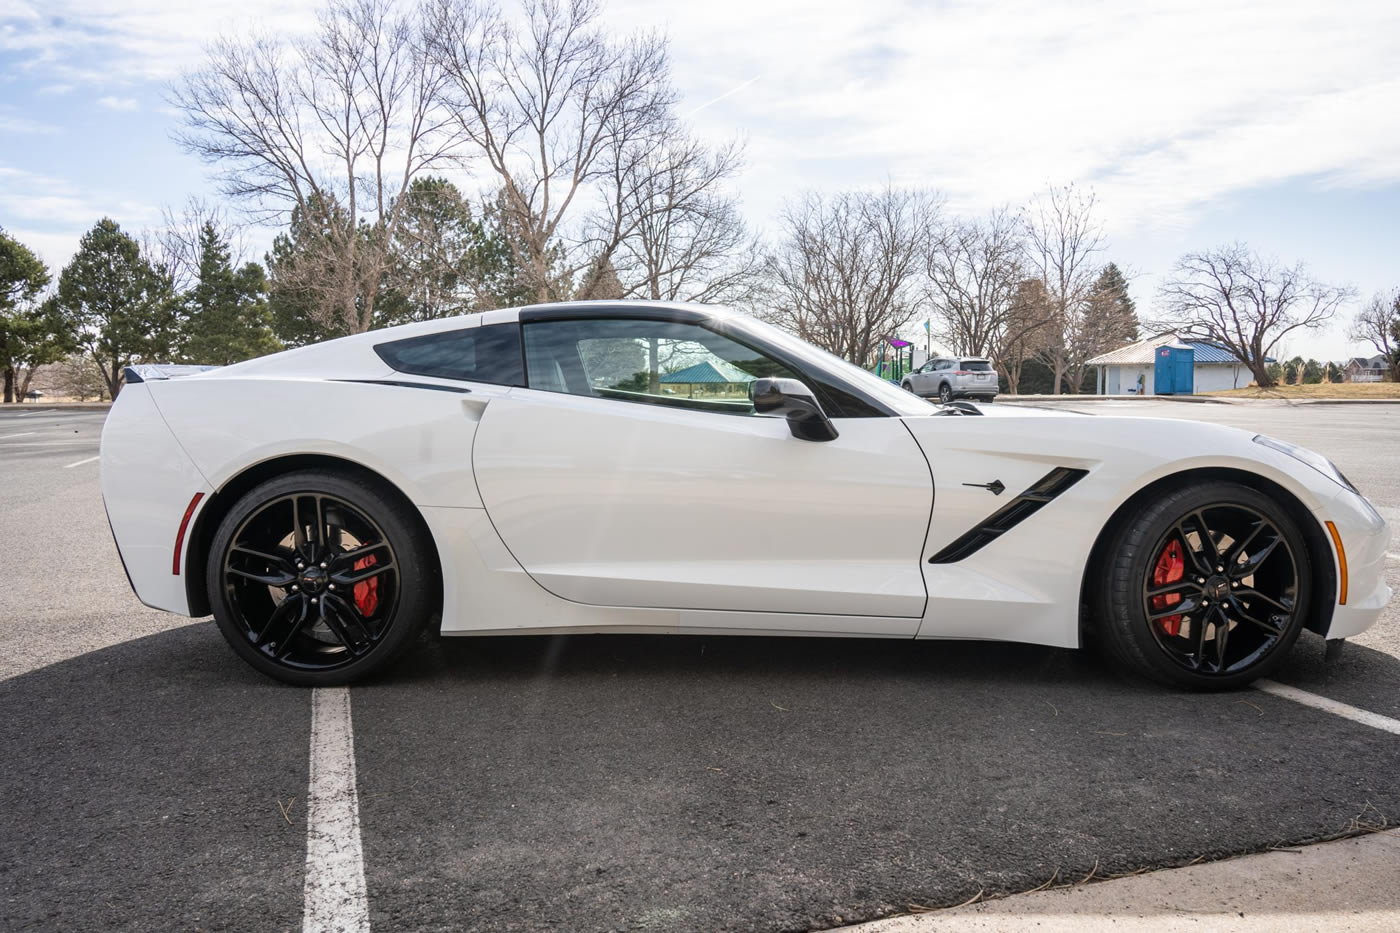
point(1162, 105)
point(119, 103)
point(50, 214)
point(20, 125)
point(89, 41)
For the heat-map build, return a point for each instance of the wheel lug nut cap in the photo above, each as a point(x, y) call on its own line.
point(295, 587)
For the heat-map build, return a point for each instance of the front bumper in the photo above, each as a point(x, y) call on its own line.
point(1365, 538)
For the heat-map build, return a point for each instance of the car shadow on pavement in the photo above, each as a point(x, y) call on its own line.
point(652, 782)
point(141, 789)
point(688, 782)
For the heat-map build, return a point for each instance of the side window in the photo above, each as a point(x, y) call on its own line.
point(654, 362)
point(476, 354)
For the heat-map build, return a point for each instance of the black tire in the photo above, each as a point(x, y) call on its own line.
point(906, 386)
point(348, 634)
point(1261, 613)
point(945, 393)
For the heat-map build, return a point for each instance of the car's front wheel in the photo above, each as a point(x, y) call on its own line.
point(1208, 587)
point(318, 578)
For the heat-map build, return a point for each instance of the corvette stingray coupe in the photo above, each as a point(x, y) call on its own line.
point(645, 467)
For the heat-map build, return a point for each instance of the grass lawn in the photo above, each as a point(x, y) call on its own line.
point(1320, 390)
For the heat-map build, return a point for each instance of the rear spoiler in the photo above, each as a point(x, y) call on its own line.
point(147, 372)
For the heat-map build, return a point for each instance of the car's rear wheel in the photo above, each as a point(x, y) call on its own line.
point(945, 393)
point(1208, 587)
point(318, 578)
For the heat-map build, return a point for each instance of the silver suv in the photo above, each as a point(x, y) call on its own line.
point(949, 378)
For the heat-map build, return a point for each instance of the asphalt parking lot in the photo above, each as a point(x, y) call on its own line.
point(154, 781)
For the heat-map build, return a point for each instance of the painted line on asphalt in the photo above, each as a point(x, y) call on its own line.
point(1355, 714)
point(81, 462)
point(334, 892)
point(6, 437)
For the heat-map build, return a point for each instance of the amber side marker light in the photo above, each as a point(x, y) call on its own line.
point(1341, 563)
point(185, 524)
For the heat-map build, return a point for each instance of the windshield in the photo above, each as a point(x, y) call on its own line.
point(891, 395)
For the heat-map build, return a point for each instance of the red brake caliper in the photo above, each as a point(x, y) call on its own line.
point(367, 591)
point(1171, 567)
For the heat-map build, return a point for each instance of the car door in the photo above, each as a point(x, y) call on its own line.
point(920, 380)
point(633, 472)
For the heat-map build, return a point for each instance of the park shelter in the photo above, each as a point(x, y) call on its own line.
point(1187, 367)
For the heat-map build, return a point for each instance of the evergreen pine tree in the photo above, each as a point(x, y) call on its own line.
point(227, 319)
point(120, 306)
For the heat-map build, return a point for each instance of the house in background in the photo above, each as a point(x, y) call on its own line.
point(1364, 369)
point(1167, 365)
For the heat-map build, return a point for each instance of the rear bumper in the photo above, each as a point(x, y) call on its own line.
point(147, 484)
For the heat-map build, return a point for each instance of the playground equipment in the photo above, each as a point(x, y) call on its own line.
point(901, 360)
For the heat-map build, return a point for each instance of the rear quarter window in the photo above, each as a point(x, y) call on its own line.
point(474, 354)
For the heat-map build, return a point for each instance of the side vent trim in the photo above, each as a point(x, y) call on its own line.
point(405, 384)
point(1042, 492)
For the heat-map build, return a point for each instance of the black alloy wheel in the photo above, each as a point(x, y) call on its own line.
point(1209, 588)
point(319, 578)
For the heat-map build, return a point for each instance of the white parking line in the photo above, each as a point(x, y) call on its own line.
point(1366, 718)
point(81, 462)
point(334, 892)
point(6, 437)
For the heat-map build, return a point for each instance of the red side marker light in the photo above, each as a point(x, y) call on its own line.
point(180, 536)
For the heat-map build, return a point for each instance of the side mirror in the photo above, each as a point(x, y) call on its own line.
point(794, 401)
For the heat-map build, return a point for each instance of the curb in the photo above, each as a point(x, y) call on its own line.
point(1076, 399)
point(1348, 401)
point(56, 407)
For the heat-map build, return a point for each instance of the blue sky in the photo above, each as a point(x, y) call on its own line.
point(1196, 122)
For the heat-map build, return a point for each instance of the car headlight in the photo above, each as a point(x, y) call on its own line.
point(1311, 457)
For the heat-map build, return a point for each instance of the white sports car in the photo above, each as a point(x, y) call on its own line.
point(640, 467)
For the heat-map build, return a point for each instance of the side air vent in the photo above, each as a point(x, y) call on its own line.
point(1010, 515)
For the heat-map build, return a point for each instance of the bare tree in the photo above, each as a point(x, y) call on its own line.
point(335, 127)
point(688, 241)
point(973, 269)
point(1246, 304)
point(1378, 323)
point(174, 248)
point(555, 107)
point(847, 271)
point(1063, 237)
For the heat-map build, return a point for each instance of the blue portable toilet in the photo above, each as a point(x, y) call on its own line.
point(1174, 373)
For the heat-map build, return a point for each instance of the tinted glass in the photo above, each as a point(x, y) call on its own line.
point(976, 366)
point(475, 354)
point(835, 381)
point(656, 362)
